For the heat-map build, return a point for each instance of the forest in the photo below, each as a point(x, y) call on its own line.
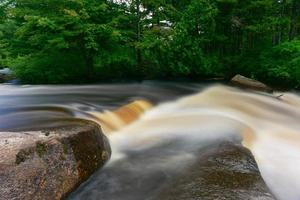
point(80, 41)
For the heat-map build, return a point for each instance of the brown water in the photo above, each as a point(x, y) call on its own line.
point(149, 148)
point(33, 107)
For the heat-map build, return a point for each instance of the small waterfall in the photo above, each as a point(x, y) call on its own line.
point(267, 124)
point(161, 129)
point(116, 119)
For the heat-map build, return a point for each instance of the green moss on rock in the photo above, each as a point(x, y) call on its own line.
point(88, 147)
point(65, 147)
point(23, 155)
point(41, 149)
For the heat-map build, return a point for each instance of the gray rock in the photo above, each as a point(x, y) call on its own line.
point(224, 171)
point(5, 71)
point(50, 164)
point(248, 83)
point(6, 75)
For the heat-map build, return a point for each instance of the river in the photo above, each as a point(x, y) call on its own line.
point(166, 138)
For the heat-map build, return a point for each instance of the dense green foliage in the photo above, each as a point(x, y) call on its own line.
point(61, 41)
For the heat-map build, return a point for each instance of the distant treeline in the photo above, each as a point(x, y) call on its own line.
point(73, 41)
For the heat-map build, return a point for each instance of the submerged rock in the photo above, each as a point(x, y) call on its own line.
point(248, 83)
point(226, 171)
point(50, 164)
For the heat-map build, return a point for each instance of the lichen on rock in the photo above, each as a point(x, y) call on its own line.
point(38, 166)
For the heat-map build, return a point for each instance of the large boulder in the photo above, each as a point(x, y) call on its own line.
point(50, 164)
point(221, 171)
point(248, 83)
point(224, 171)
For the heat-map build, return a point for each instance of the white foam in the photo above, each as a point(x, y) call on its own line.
point(219, 112)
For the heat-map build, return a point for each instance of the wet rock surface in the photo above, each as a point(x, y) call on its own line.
point(223, 171)
point(170, 171)
point(50, 164)
point(247, 83)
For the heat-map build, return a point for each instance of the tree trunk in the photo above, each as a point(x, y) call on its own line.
point(138, 38)
point(89, 64)
point(293, 20)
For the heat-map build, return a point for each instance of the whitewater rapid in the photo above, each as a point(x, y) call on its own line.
point(267, 124)
point(161, 128)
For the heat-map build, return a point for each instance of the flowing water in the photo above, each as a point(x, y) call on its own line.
point(32, 107)
point(162, 131)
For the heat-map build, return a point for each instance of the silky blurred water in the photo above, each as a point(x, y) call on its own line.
point(150, 151)
point(39, 106)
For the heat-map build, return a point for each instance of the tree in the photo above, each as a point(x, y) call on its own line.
point(7, 28)
point(53, 30)
point(55, 41)
point(193, 35)
point(280, 65)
